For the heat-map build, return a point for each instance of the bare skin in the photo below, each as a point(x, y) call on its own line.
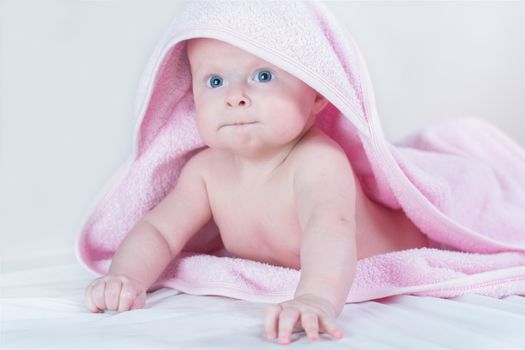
point(279, 189)
point(269, 213)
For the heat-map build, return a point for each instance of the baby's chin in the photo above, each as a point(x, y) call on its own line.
point(244, 149)
point(246, 146)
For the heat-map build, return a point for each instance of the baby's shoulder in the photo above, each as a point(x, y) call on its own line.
point(316, 146)
point(321, 157)
point(322, 165)
point(210, 161)
point(203, 158)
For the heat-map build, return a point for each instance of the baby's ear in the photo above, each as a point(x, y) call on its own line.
point(319, 103)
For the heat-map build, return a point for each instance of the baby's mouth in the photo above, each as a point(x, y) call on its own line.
point(240, 124)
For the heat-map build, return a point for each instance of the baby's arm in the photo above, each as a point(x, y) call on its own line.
point(153, 242)
point(325, 197)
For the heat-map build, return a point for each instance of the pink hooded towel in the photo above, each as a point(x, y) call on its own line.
point(460, 182)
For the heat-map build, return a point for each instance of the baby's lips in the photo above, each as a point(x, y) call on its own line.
point(240, 123)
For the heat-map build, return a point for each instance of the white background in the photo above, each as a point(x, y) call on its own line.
point(69, 71)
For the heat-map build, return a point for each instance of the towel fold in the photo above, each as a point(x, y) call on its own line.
point(461, 182)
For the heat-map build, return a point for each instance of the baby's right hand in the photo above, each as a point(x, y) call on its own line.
point(117, 293)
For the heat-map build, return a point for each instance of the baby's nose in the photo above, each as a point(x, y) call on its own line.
point(237, 98)
point(237, 101)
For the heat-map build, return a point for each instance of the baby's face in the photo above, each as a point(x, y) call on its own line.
point(245, 104)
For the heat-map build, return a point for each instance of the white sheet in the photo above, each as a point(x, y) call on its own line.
point(42, 307)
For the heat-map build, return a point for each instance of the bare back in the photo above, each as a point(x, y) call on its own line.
point(260, 221)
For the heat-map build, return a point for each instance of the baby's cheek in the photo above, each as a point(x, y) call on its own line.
point(289, 128)
point(206, 132)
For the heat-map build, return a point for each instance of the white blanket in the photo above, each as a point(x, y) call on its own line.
point(42, 307)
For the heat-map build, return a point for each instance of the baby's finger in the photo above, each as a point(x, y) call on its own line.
point(113, 287)
point(98, 294)
point(127, 295)
point(89, 302)
point(271, 315)
point(330, 326)
point(287, 319)
point(310, 325)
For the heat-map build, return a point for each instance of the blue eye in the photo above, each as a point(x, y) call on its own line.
point(264, 76)
point(214, 81)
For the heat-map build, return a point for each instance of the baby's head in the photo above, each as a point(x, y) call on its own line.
point(232, 86)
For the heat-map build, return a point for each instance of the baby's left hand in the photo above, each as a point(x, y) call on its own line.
point(313, 314)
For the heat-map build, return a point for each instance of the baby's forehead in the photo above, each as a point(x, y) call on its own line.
point(208, 50)
point(200, 44)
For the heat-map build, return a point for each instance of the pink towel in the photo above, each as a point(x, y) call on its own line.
point(461, 182)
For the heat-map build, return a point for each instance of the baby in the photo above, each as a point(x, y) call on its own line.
point(279, 189)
